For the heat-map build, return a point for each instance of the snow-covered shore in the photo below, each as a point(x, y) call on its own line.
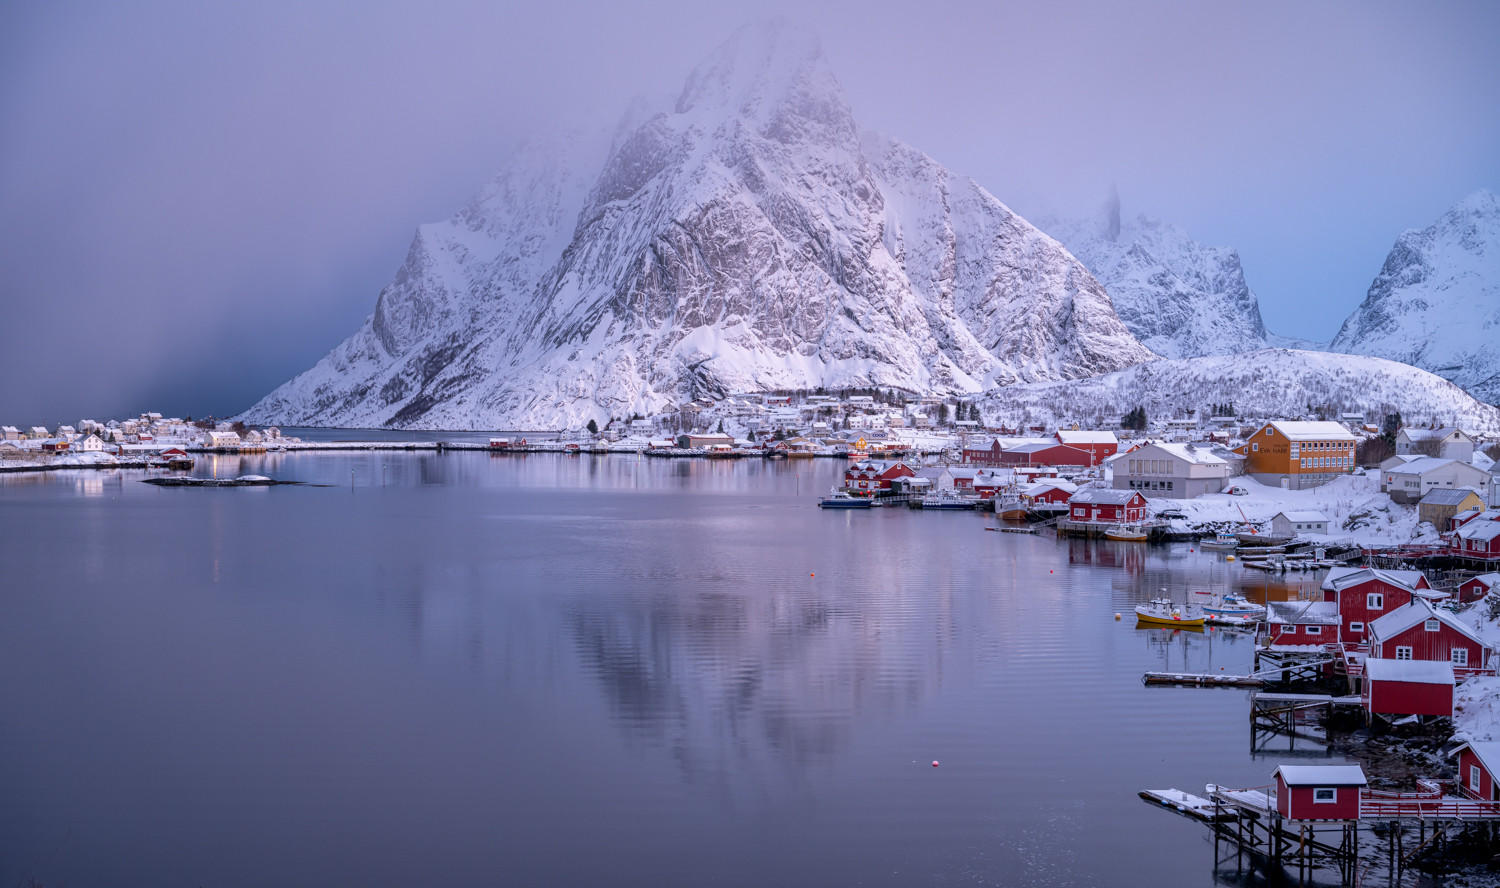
point(1356, 510)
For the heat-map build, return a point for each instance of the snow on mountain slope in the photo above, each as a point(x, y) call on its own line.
point(1270, 382)
point(1179, 297)
point(752, 238)
point(1436, 302)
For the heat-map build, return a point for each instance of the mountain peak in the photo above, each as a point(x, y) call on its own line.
point(756, 70)
point(1436, 301)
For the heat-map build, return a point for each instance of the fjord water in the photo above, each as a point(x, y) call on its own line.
point(453, 668)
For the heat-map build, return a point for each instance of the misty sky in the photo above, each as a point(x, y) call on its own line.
point(198, 200)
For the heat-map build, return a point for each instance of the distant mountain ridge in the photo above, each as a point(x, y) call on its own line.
point(1179, 297)
point(1436, 302)
point(1268, 382)
point(752, 238)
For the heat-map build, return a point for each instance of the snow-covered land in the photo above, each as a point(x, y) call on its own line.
point(1180, 298)
point(1356, 510)
point(1436, 302)
point(1270, 382)
point(751, 238)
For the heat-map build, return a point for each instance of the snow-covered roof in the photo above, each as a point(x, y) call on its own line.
point(1433, 434)
point(1313, 431)
point(1489, 580)
point(1322, 775)
point(1104, 496)
point(1303, 613)
point(1044, 486)
point(1412, 613)
point(1193, 453)
point(1424, 464)
point(1071, 436)
point(1339, 578)
point(1479, 529)
point(1303, 516)
point(1439, 672)
point(1447, 496)
point(1488, 752)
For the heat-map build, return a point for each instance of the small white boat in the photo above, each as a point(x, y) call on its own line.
point(1221, 541)
point(1232, 604)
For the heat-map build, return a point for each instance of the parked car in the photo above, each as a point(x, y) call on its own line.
point(1236, 490)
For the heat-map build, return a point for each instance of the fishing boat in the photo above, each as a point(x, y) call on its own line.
point(842, 499)
point(1232, 604)
point(1127, 533)
point(1221, 541)
point(1166, 612)
point(947, 499)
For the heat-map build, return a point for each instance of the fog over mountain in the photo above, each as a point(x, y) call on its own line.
point(751, 238)
point(199, 201)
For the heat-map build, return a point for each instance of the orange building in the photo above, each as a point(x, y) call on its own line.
point(1297, 455)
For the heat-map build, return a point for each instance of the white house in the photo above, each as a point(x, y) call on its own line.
point(1172, 470)
point(38, 432)
point(1298, 522)
point(1450, 442)
point(89, 444)
point(1409, 482)
point(10, 433)
point(217, 439)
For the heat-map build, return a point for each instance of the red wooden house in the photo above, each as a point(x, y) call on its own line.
point(1408, 687)
point(988, 455)
point(1301, 624)
point(1049, 493)
point(1364, 594)
point(868, 477)
point(987, 482)
point(1046, 454)
point(1417, 631)
point(1477, 538)
point(1319, 792)
point(1477, 760)
point(56, 445)
point(1100, 445)
point(1104, 506)
point(1475, 588)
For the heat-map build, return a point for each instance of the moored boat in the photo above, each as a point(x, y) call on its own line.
point(1221, 541)
point(1232, 604)
point(842, 499)
point(1165, 612)
point(948, 500)
point(1127, 533)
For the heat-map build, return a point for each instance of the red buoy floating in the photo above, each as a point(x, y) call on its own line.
point(934, 763)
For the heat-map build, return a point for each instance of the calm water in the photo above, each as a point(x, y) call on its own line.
point(545, 670)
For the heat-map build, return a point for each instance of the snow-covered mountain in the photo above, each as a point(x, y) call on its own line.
point(751, 238)
point(1179, 297)
point(1270, 382)
point(1436, 302)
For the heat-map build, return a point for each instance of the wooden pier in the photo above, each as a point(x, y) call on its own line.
point(1248, 822)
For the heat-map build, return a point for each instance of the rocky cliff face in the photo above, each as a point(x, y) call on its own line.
point(1180, 298)
point(751, 238)
point(1436, 302)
